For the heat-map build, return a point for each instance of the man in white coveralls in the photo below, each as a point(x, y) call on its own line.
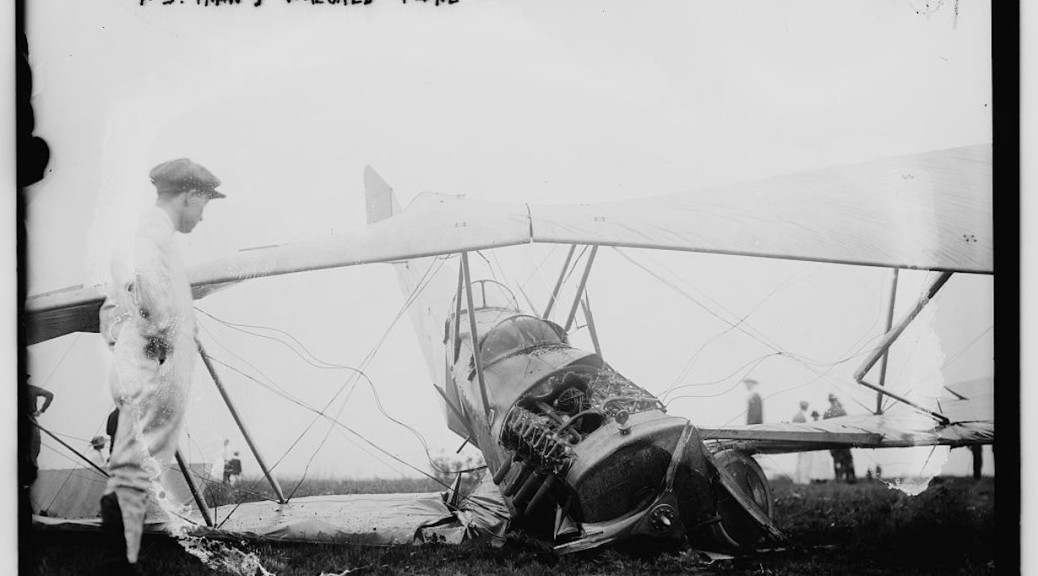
point(148, 321)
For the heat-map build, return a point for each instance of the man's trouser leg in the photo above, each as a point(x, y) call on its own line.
point(113, 548)
point(848, 466)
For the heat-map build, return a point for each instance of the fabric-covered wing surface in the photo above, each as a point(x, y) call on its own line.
point(433, 224)
point(972, 422)
point(63, 312)
point(76, 309)
point(928, 211)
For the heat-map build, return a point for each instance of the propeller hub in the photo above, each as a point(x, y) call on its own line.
point(662, 518)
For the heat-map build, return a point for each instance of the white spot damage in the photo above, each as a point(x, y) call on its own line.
point(926, 384)
point(216, 555)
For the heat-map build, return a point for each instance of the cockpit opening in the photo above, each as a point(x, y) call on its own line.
point(485, 294)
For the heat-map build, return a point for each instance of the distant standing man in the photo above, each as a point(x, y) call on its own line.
point(843, 461)
point(755, 406)
point(225, 458)
point(233, 470)
point(227, 461)
point(148, 321)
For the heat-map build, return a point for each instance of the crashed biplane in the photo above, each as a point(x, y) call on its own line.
point(574, 449)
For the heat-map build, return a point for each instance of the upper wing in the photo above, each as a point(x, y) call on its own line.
point(434, 224)
point(927, 211)
point(76, 309)
point(62, 312)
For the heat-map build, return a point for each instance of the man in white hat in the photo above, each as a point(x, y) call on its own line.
point(148, 321)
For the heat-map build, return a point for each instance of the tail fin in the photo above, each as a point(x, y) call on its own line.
point(381, 201)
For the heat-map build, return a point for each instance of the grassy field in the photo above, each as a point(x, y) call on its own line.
point(864, 528)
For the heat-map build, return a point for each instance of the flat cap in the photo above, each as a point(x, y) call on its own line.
point(183, 174)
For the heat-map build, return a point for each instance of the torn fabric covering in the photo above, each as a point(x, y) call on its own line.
point(372, 518)
point(381, 519)
point(357, 518)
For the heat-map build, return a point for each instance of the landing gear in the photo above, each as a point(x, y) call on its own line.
point(737, 528)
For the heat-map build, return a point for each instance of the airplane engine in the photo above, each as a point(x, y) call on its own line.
point(603, 454)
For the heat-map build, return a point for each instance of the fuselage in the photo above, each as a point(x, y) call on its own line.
point(574, 446)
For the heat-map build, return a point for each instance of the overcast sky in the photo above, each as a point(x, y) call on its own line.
point(531, 101)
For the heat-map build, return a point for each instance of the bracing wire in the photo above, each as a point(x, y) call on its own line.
point(510, 281)
point(70, 436)
point(67, 457)
point(948, 361)
point(270, 385)
point(539, 269)
point(752, 364)
point(333, 422)
point(692, 360)
point(421, 285)
point(955, 357)
point(62, 359)
point(313, 456)
point(270, 381)
point(357, 372)
point(72, 472)
point(746, 329)
point(739, 323)
point(798, 386)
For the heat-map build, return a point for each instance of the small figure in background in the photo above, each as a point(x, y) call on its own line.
point(225, 460)
point(232, 469)
point(843, 461)
point(98, 443)
point(755, 406)
point(801, 416)
point(835, 408)
point(820, 469)
point(803, 469)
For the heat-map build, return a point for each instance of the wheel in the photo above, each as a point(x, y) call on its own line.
point(737, 529)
